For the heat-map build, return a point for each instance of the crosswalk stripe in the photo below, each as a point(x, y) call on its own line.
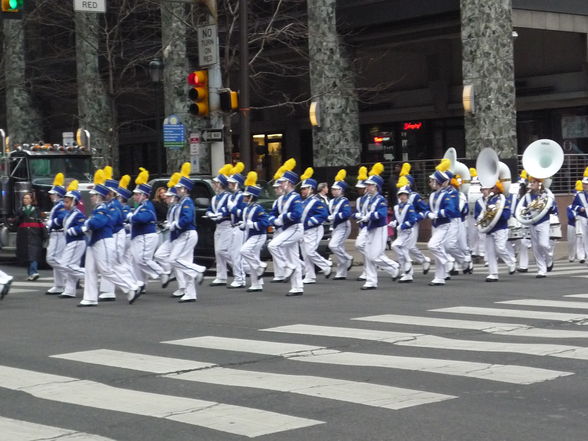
point(376, 395)
point(569, 272)
point(17, 430)
point(237, 420)
point(488, 327)
point(547, 303)
point(33, 285)
point(22, 290)
point(519, 313)
point(578, 296)
point(434, 342)
point(493, 372)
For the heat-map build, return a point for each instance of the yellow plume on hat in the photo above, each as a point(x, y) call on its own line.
point(238, 168)
point(524, 174)
point(586, 172)
point(405, 170)
point(58, 180)
point(124, 182)
point(186, 169)
point(107, 172)
point(444, 165)
point(143, 176)
point(175, 178)
point(402, 182)
point(307, 174)
point(500, 186)
point(279, 172)
point(251, 178)
point(73, 185)
point(341, 175)
point(225, 170)
point(99, 177)
point(289, 165)
point(377, 169)
point(362, 173)
point(473, 172)
point(579, 186)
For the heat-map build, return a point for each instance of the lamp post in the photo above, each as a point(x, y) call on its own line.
point(156, 75)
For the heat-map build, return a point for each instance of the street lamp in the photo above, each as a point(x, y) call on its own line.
point(156, 75)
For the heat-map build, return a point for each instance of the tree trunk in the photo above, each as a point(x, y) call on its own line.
point(23, 122)
point(95, 107)
point(336, 141)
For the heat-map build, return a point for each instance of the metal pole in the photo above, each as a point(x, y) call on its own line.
point(158, 129)
point(245, 135)
point(217, 149)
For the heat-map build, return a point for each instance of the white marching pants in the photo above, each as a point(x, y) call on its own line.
point(309, 246)
point(4, 278)
point(55, 249)
point(121, 260)
point(182, 261)
point(436, 246)
point(223, 238)
point(455, 244)
point(235, 249)
point(162, 256)
point(496, 247)
point(250, 251)
point(575, 244)
point(143, 249)
point(70, 261)
point(413, 250)
point(375, 247)
point(583, 223)
point(99, 261)
point(541, 246)
point(523, 246)
point(401, 246)
point(360, 242)
point(284, 249)
point(337, 246)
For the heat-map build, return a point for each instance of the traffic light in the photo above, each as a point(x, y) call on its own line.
point(12, 8)
point(198, 93)
point(229, 100)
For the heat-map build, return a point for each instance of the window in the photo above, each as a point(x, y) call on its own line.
point(73, 167)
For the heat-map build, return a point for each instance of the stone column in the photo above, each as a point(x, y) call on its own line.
point(488, 64)
point(23, 123)
point(336, 141)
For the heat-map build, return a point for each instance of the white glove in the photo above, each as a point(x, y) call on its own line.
point(174, 226)
point(393, 224)
point(358, 216)
point(366, 218)
point(250, 225)
point(71, 231)
point(129, 216)
point(278, 222)
point(431, 215)
point(84, 228)
point(331, 218)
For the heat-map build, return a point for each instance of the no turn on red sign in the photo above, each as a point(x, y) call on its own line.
point(90, 6)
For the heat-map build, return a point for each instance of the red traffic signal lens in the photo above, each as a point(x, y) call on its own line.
point(198, 78)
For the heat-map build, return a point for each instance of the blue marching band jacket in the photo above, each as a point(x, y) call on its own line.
point(529, 197)
point(116, 215)
point(405, 215)
point(99, 224)
point(126, 210)
point(72, 225)
point(143, 219)
point(314, 212)
point(377, 212)
point(255, 220)
point(184, 218)
point(289, 210)
point(444, 204)
point(340, 210)
point(502, 222)
point(234, 207)
point(580, 201)
point(58, 212)
point(571, 216)
point(361, 208)
point(419, 204)
point(218, 206)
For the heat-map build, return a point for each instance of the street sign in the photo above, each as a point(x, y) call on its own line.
point(174, 133)
point(90, 6)
point(212, 135)
point(207, 45)
point(195, 147)
point(68, 138)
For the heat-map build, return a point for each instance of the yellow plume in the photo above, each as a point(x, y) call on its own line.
point(405, 170)
point(524, 174)
point(444, 165)
point(341, 175)
point(124, 181)
point(238, 168)
point(143, 176)
point(225, 170)
point(473, 172)
point(579, 186)
point(107, 172)
point(586, 172)
point(99, 177)
point(141, 169)
point(307, 174)
point(73, 185)
point(289, 165)
point(402, 182)
point(251, 178)
point(377, 169)
point(175, 178)
point(58, 180)
point(279, 172)
point(186, 169)
point(362, 173)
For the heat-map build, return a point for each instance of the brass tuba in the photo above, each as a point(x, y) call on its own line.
point(490, 171)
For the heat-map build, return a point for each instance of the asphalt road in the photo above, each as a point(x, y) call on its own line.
point(407, 377)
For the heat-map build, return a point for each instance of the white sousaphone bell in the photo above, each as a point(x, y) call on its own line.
point(542, 159)
point(490, 170)
point(458, 168)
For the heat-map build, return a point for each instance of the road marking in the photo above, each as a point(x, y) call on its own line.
point(237, 420)
point(547, 303)
point(488, 327)
point(493, 372)
point(539, 315)
point(368, 394)
point(22, 290)
point(434, 342)
point(578, 296)
point(33, 284)
point(17, 430)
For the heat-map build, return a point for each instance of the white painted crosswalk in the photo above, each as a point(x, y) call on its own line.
point(18, 430)
point(518, 313)
point(546, 303)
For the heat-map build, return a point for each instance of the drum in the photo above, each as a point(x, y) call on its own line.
point(554, 228)
point(515, 229)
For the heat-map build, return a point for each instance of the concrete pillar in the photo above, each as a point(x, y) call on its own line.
point(488, 64)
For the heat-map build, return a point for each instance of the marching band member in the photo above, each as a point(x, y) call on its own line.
point(361, 205)
point(234, 207)
point(100, 249)
point(475, 237)
point(75, 241)
point(405, 218)
point(314, 214)
point(5, 282)
point(218, 213)
point(494, 201)
point(124, 194)
point(56, 237)
point(275, 212)
point(576, 248)
point(184, 239)
point(340, 210)
point(284, 245)
point(580, 206)
point(421, 208)
point(524, 244)
point(444, 207)
point(254, 224)
point(376, 226)
point(164, 250)
point(144, 239)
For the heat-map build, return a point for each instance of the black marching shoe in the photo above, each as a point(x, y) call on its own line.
point(522, 270)
point(550, 267)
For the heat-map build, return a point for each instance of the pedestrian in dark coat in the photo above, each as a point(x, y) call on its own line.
point(29, 236)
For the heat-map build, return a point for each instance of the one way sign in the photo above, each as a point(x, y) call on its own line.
point(212, 135)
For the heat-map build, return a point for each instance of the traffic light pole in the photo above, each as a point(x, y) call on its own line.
point(244, 109)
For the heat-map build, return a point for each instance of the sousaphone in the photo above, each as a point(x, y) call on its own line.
point(490, 171)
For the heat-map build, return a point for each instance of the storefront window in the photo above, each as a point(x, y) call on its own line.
point(268, 154)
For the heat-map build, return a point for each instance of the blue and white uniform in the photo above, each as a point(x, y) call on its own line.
point(576, 248)
point(340, 210)
point(144, 241)
point(406, 218)
point(254, 224)
point(456, 244)
point(234, 210)
point(56, 245)
point(421, 208)
point(164, 249)
point(361, 209)
point(275, 212)
point(580, 207)
point(223, 234)
point(314, 214)
point(75, 247)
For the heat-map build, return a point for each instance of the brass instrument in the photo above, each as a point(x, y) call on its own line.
point(536, 205)
point(486, 221)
